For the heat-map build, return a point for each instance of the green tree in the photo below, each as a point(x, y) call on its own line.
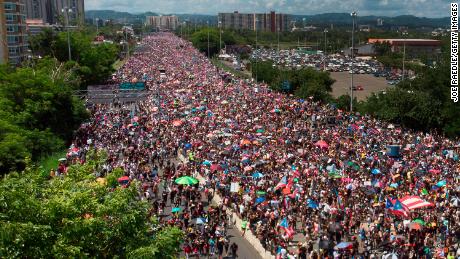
point(37, 112)
point(78, 216)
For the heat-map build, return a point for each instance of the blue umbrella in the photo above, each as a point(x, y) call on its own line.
point(260, 200)
point(312, 204)
point(375, 171)
point(175, 209)
point(200, 221)
point(188, 146)
point(207, 163)
point(257, 175)
point(394, 185)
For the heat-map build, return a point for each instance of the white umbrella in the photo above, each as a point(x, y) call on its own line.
point(455, 202)
point(390, 256)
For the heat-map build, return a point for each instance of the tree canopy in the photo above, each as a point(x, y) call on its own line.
point(37, 111)
point(304, 83)
point(422, 103)
point(79, 216)
point(94, 60)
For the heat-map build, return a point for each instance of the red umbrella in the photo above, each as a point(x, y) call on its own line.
point(124, 180)
point(322, 144)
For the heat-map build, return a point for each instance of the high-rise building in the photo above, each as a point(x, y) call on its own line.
point(167, 22)
point(3, 44)
point(14, 43)
point(77, 13)
point(255, 21)
point(51, 11)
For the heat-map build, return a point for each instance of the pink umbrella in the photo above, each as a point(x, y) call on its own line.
point(322, 144)
point(177, 123)
point(434, 171)
point(216, 167)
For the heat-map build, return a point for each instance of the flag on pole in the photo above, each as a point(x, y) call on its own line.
point(284, 223)
point(282, 183)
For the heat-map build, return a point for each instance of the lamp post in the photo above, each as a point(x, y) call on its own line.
point(404, 61)
point(353, 16)
point(325, 46)
point(255, 28)
point(97, 26)
point(279, 39)
point(207, 25)
point(220, 35)
point(67, 10)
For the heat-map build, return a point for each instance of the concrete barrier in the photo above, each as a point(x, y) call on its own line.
point(249, 236)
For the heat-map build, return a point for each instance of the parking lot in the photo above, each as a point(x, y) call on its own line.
point(369, 82)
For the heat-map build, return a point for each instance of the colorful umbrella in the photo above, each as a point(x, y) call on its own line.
point(200, 221)
point(375, 171)
point(260, 200)
point(343, 245)
point(260, 193)
point(123, 180)
point(257, 175)
point(420, 221)
point(322, 144)
point(177, 123)
point(175, 210)
point(186, 180)
point(415, 226)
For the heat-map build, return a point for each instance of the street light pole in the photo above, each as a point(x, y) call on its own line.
point(67, 10)
point(257, 21)
point(325, 46)
point(220, 36)
point(404, 61)
point(97, 26)
point(279, 39)
point(353, 15)
point(207, 25)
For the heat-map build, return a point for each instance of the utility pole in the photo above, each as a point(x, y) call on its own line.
point(67, 10)
point(325, 48)
point(404, 61)
point(127, 42)
point(353, 16)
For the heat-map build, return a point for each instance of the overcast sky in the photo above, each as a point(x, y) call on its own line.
point(426, 8)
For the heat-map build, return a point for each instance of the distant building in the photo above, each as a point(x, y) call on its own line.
point(169, 22)
point(13, 36)
point(414, 47)
point(3, 43)
point(36, 26)
point(365, 28)
point(255, 21)
point(51, 11)
point(379, 22)
point(360, 50)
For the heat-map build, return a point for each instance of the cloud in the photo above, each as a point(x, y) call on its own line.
point(427, 8)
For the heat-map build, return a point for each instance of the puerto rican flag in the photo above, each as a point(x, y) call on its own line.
point(415, 202)
point(397, 208)
point(282, 183)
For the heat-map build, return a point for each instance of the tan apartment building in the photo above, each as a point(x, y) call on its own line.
point(255, 21)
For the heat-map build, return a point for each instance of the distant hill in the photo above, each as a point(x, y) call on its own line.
point(132, 18)
point(345, 19)
point(114, 15)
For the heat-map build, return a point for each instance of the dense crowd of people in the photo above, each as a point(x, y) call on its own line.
point(310, 181)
